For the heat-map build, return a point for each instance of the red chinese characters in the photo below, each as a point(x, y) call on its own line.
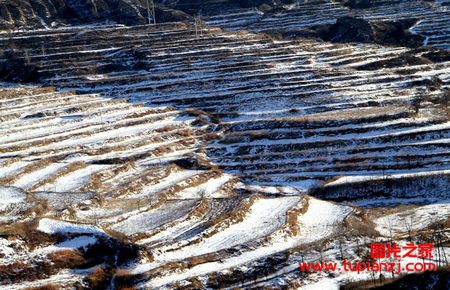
point(392, 250)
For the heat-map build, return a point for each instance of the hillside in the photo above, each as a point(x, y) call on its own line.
point(45, 14)
point(187, 156)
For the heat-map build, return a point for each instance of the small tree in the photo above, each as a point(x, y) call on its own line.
point(94, 8)
point(26, 56)
point(408, 222)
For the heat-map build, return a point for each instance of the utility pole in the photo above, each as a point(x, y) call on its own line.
point(154, 14)
point(151, 12)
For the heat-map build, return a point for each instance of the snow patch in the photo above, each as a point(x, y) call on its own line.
point(50, 226)
point(10, 195)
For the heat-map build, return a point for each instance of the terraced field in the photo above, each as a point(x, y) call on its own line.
point(168, 157)
point(323, 110)
point(431, 17)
